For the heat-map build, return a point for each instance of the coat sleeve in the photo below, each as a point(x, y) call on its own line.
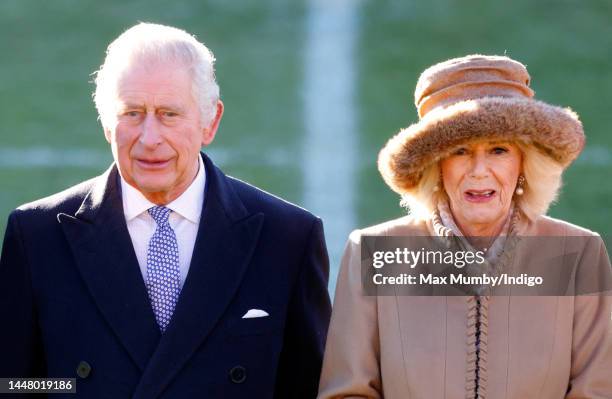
point(352, 354)
point(307, 322)
point(591, 370)
point(21, 353)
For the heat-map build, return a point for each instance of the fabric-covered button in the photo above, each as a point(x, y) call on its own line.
point(83, 369)
point(237, 374)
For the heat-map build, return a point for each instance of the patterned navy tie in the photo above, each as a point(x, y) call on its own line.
point(163, 276)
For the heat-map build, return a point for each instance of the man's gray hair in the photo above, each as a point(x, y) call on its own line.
point(150, 43)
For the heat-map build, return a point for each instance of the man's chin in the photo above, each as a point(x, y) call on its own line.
point(150, 188)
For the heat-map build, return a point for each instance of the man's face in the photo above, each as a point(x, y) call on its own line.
point(158, 133)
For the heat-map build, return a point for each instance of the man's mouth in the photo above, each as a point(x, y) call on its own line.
point(152, 163)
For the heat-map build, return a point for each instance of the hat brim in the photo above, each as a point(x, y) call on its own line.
point(554, 130)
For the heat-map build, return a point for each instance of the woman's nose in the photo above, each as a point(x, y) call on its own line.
point(479, 167)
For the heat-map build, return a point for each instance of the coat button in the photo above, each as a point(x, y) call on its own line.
point(237, 374)
point(83, 369)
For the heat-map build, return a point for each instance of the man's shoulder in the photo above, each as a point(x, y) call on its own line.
point(257, 200)
point(66, 201)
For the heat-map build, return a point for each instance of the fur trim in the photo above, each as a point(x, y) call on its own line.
point(554, 130)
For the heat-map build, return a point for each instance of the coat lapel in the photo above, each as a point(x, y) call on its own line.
point(103, 251)
point(226, 239)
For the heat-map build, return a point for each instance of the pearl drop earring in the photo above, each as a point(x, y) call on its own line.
point(519, 185)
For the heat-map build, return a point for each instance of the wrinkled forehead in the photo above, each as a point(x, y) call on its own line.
point(161, 82)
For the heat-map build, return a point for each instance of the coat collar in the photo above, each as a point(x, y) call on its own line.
point(226, 238)
point(442, 224)
point(101, 246)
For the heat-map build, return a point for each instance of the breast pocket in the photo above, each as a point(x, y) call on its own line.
point(255, 326)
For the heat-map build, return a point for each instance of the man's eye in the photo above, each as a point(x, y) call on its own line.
point(132, 114)
point(169, 114)
point(460, 151)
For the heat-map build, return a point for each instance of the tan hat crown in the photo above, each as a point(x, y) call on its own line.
point(468, 78)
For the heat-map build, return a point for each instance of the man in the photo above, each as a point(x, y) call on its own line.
point(164, 278)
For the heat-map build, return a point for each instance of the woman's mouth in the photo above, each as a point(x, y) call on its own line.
point(479, 196)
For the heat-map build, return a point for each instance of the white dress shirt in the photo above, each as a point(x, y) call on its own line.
point(184, 220)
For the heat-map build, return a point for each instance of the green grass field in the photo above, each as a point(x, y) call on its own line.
point(51, 139)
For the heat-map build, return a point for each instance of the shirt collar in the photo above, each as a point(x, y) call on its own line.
point(188, 204)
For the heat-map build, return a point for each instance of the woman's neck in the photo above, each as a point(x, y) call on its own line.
point(481, 230)
point(482, 235)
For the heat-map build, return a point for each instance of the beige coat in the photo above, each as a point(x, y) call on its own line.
point(424, 347)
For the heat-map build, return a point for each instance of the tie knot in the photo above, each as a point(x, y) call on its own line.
point(160, 214)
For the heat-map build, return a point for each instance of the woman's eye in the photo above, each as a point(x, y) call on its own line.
point(460, 151)
point(132, 114)
point(499, 150)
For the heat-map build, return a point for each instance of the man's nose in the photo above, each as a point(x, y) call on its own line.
point(150, 135)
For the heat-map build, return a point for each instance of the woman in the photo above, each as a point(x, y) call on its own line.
point(485, 160)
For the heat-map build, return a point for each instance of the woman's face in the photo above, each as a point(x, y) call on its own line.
point(480, 180)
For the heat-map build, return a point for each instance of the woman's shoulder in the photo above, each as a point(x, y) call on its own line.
point(403, 226)
point(549, 226)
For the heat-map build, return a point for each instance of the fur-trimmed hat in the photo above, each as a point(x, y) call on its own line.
point(469, 99)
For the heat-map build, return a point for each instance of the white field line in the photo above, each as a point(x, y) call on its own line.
point(331, 141)
point(47, 157)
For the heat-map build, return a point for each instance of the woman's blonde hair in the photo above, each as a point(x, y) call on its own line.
point(542, 185)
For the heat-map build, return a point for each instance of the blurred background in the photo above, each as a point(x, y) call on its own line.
point(312, 90)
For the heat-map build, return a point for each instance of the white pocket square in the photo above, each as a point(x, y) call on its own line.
point(253, 313)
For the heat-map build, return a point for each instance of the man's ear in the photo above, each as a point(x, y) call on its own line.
point(107, 134)
point(209, 132)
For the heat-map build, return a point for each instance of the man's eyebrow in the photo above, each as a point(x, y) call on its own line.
point(125, 105)
point(130, 105)
point(171, 107)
